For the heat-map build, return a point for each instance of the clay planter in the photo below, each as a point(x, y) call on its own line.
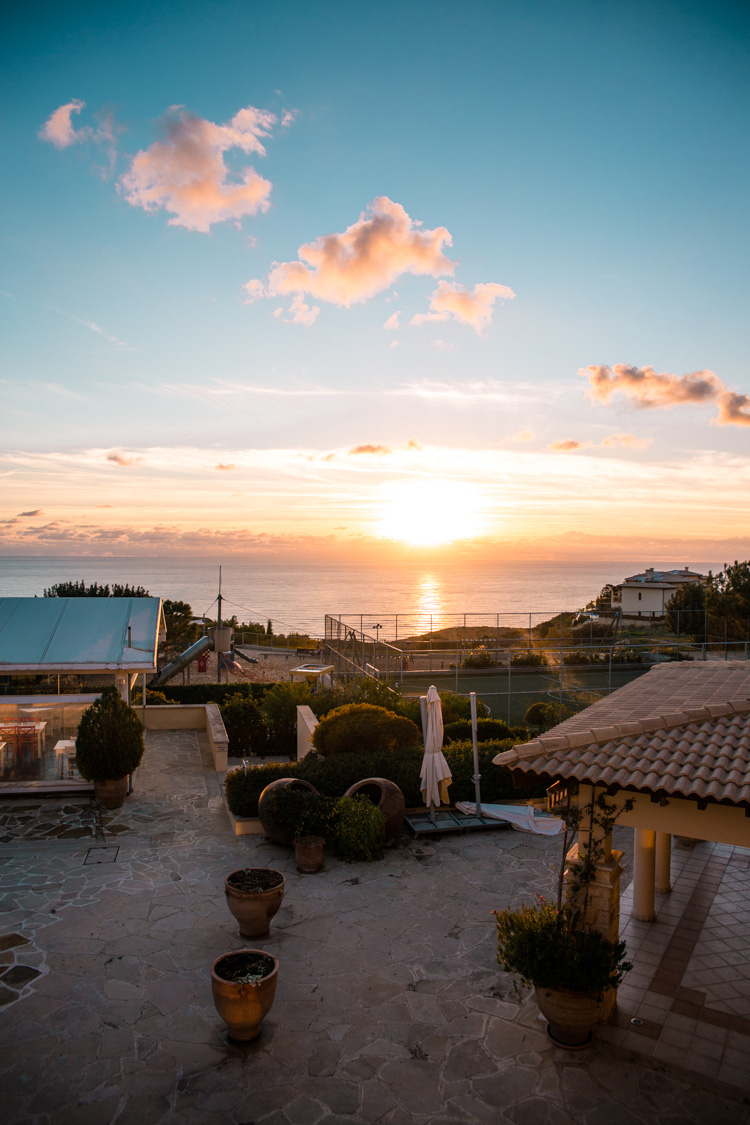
point(254, 906)
point(242, 1004)
point(271, 829)
point(387, 796)
point(308, 851)
point(111, 794)
point(571, 1015)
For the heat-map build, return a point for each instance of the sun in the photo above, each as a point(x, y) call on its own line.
point(430, 513)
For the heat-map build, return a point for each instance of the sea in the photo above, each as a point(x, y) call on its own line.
point(400, 600)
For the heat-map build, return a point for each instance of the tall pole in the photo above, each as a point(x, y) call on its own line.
point(475, 751)
point(218, 633)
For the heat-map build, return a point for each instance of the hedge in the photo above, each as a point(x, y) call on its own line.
point(333, 776)
point(213, 693)
point(362, 728)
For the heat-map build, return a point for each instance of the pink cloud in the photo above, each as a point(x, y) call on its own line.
point(58, 129)
point(301, 312)
point(123, 459)
point(365, 259)
point(629, 440)
point(392, 324)
point(378, 450)
point(394, 344)
point(650, 389)
point(225, 468)
point(26, 515)
point(186, 173)
point(569, 445)
point(474, 307)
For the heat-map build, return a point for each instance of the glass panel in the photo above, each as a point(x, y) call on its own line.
point(37, 738)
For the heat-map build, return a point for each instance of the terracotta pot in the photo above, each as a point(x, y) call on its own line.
point(243, 1006)
point(111, 794)
point(308, 851)
point(571, 1015)
point(254, 909)
point(270, 828)
point(387, 796)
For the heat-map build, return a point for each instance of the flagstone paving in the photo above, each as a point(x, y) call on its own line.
point(390, 1007)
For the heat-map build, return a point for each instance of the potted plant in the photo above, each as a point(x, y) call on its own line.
point(571, 971)
point(243, 984)
point(572, 967)
point(253, 896)
point(109, 747)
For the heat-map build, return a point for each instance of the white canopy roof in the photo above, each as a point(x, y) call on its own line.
point(79, 634)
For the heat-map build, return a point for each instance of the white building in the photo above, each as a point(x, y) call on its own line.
point(647, 594)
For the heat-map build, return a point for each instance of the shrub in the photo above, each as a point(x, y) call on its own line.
point(109, 742)
point(153, 698)
point(456, 707)
point(528, 659)
point(486, 729)
point(333, 776)
point(279, 709)
point(299, 812)
point(480, 659)
point(212, 693)
point(362, 728)
point(357, 830)
point(546, 715)
point(244, 726)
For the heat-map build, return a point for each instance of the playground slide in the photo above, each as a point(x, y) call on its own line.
point(205, 644)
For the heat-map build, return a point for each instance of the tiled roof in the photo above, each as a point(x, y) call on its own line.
point(682, 729)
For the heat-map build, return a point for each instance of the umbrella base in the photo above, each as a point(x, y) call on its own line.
point(420, 823)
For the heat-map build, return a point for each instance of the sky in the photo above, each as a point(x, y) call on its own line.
point(339, 281)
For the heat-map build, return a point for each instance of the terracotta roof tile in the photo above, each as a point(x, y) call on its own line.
point(701, 751)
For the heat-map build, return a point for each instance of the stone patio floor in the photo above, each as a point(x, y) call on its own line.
point(390, 1006)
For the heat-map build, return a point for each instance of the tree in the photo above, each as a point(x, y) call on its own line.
point(686, 611)
point(109, 742)
point(182, 631)
point(269, 628)
point(81, 590)
point(728, 596)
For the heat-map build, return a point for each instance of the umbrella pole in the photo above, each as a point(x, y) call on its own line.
point(477, 775)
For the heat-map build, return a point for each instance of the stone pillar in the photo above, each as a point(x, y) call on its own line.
point(644, 870)
point(663, 880)
point(598, 904)
point(121, 683)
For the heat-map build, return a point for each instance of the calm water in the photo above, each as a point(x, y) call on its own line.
point(298, 596)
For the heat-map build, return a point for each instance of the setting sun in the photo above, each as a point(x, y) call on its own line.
point(430, 513)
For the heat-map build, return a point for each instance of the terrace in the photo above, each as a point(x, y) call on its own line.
point(390, 1006)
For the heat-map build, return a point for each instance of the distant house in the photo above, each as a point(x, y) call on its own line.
point(647, 594)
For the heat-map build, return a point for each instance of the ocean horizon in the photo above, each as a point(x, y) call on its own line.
point(298, 596)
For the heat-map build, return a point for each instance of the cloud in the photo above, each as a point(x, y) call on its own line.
point(123, 459)
point(649, 389)
point(392, 324)
point(626, 439)
point(93, 327)
point(63, 392)
point(443, 345)
point(469, 306)
point(186, 173)
point(302, 313)
point(378, 450)
point(288, 117)
point(394, 344)
point(569, 445)
point(522, 435)
point(256, 291)
point(26, 515)
point(225, 468)
point(366, 258)
point(58, 129)
point(413, 443)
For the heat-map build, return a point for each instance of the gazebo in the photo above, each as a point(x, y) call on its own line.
point(674, 744)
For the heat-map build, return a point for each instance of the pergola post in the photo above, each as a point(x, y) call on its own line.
point(663, 875)
point(644, 874)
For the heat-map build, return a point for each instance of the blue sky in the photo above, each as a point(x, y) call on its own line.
point(588, 163)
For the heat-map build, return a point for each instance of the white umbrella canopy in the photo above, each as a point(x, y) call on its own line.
point(435, 772)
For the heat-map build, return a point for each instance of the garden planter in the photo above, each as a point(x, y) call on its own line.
point(244, 986)
point(571, 1015)
point(386, 796)
point(111, 794)
point(253, 896)
point(269, 825)
point(308, 851)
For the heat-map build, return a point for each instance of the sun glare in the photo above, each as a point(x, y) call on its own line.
point(430, 513)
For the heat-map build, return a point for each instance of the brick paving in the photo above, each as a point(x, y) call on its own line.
point(390, 1006)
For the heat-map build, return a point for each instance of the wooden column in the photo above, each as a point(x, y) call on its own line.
point(663, 878)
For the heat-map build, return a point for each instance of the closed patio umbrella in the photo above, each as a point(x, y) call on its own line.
point(435, 773)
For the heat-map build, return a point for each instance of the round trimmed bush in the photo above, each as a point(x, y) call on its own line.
point(109, 742)
point(363, 728)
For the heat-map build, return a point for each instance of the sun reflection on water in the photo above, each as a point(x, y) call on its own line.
point(429, 604)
